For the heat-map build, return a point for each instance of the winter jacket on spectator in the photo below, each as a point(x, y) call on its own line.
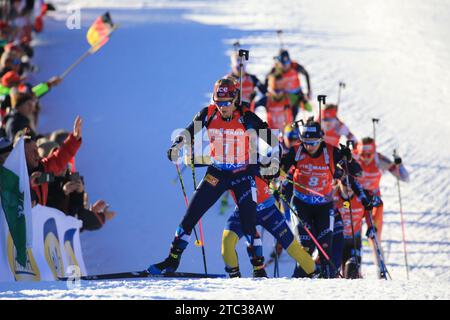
point(55, 163)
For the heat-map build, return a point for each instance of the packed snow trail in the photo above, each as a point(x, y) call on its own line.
point(156, 73)
point(233, 289)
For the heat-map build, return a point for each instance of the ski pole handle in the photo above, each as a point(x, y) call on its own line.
point(322, 99)
point(244, 53)
point(374, 122)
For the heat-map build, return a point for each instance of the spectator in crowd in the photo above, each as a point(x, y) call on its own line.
point(42, 170)
point(46, 147)
point(59, 136)
point(66, 193)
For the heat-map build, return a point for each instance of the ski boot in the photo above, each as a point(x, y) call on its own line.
point(233, 272)
point(171, 263)
point(351, 270)
point(259, 270)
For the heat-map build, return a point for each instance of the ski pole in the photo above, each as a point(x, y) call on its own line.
point(402, 223)
point(382, 265)
point(282, 197)
point(341, 86)
point(182, 184)
point(186, 201)
point(374, 122)
point(322, 99)
point(243, 54)
point(200, 225)
point(174, 180)
point(279, 35)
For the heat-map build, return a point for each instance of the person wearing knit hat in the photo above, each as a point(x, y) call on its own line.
point(5, 148)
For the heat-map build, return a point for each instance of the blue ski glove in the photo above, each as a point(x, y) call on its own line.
point(371, 232)
point(376, 201)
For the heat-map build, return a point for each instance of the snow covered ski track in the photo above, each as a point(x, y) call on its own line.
point(393, 56)
point(234, 289)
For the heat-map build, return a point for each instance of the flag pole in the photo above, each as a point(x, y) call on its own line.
point(76, 63)
point(86, 54)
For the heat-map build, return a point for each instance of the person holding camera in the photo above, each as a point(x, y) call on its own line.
point(43, 170)
point(66, 193)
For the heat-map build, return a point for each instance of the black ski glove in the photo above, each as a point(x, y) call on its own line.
point(397, 160)
point(339, 173)
point(345, 152)
point(367, 203)
point(354, 169)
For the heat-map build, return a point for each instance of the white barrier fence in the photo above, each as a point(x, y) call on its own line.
point(56, 250)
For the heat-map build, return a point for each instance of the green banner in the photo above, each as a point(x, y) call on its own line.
point(12, 201)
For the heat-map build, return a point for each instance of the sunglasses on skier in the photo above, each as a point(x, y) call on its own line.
point(224, 104)
point(312, 143)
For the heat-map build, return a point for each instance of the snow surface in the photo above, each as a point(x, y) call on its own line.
point(234, 289)
point(157, 72)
